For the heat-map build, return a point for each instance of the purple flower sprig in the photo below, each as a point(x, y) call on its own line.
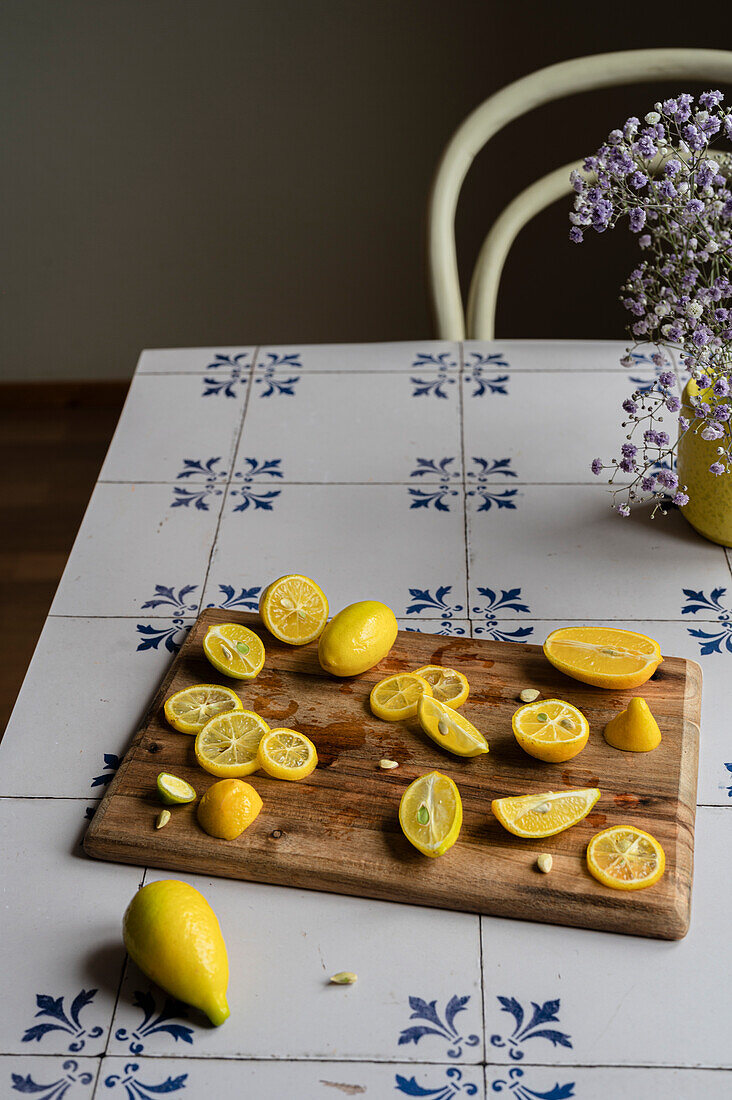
point(676, 197)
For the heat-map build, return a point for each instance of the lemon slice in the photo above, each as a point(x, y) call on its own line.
point(625, 858)
point(397, 697)
point(227, 745)
point(189, 710)
point(540, 815)
point(294, 609)
point(551, 730)
point(448, 685)
point(449, 729)
point(234, 650)
point(174, 791)
point(603, 656)
point(431, 814)
point(287, 754)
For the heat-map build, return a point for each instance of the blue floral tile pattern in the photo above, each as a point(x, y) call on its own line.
point(534, 1029)
point(433, 1024)
point(452, 1086)
point(155, 1022)
point(640, 359)
point(192, 467)
point(271, 385)
point(55, 1018)
point(248, 492)
point(140, 1090)
point(491, 467)
point(422, 600)
point(724, 786)
point(171, 635)
point(490, 498)
point(717, 637)
point(514, 1084)
point(111, 764)
point(246, 599)
point(234, 374)
point(495, 608)
point(440, 468)
point(169, 597)
point(477, 368)
point(448, 628)
point(57, 1089)
point(437, 498)
point(201, 499)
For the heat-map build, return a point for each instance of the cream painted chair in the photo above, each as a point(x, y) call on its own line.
point(544, 86)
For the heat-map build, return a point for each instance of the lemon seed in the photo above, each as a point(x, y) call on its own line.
point(567, 724)
point(162, 819)
point(544, 863)
point(543, 717)
point(529, 695)
point(387, 765)
point(542, 808)
point(344, 977)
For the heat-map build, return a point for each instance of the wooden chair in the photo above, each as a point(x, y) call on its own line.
point(544, 86)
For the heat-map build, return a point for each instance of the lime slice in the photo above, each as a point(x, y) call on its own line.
point(174, 791)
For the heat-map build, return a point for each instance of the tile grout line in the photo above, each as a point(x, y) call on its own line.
point(227, 486)
point(463, 465)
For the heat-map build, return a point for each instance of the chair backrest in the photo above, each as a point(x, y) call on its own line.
point(544, 86)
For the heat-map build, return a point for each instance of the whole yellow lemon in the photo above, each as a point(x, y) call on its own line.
point(357, 638)
point(172, 933)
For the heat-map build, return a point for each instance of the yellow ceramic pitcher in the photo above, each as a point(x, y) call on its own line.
point(710, 496)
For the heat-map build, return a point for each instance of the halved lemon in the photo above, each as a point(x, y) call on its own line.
point(449, 729)
point(603, 656)
point(431, 814)
point(397, 697)
point(551, 730)
point(234, 650)
point(287, 754)
point(294, 609)
point(189, 710)
point(539, 815)
point(448, 685)
point(174, 791)
point(625, 858)
point(227, 745)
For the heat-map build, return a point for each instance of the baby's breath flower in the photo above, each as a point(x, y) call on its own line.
point(680, 205)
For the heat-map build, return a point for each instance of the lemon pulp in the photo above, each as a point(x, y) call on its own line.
point(234, 650)
point(294, 609)
point(398, 697)
point(227, 745)
point(449, 729)
point(431, 814)
point(540, 815)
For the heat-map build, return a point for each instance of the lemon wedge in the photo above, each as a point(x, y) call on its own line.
point(174, 791)
point(551, 730)
point(625, 858)
point(449, 729)
point(227, 745)
point(287, 754)
point(294, 609)
point(397, 697)
point(539, 815)
point(234, 650)
point(603, 655)
point(431, 814)
point(189, 710)
point(448, 685)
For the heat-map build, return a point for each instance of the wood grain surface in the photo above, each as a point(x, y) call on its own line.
point(338, 829)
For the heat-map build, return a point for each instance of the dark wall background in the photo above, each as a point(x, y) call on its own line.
point(197, 172)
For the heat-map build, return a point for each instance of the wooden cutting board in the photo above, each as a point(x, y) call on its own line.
point(338, 829)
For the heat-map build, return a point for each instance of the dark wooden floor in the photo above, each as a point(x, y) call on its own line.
point(53, 438)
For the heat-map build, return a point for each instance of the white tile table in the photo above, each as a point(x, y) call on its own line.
point(452, 482)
